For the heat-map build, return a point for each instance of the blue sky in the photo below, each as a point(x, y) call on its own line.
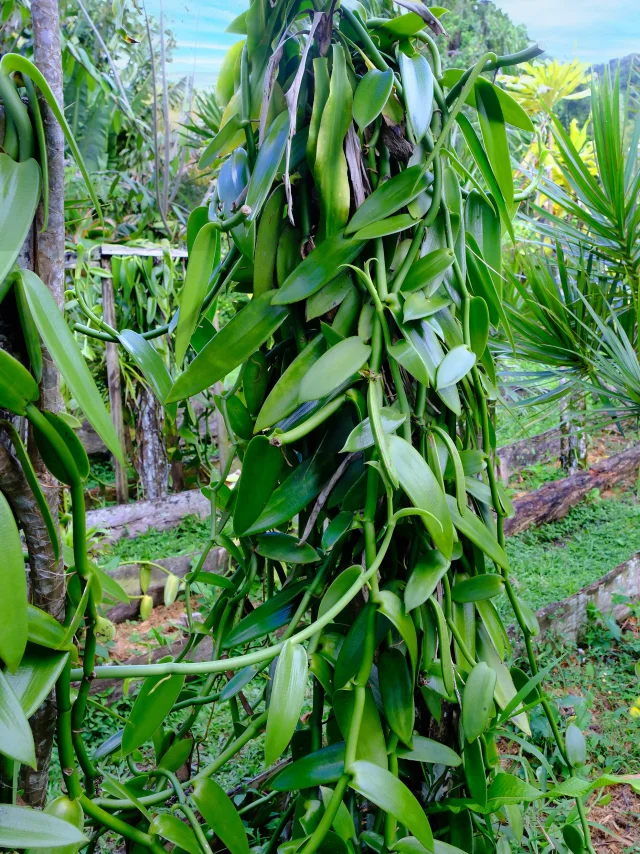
point(591, 30)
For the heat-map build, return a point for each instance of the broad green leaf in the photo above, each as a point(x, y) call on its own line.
point(266, 165)
point(342, 823)
point(424, 578)
point(173, 830)
point(285, 548)
point(512, 112)
point(477, 700)
point(334, 368)
point(284, 397)
point(328, 297)
point(371, 742)
point(494, 135)
point(220, 141)
point(217, 809)
point(509, 789)
point(44, 630)
point(13, 583)
point(389, 197)
point(361, 437)
point(21, 827)
point(391, 795)
point(478, 587)
point(505, 690)
point(338, 526)
point(36, 676)
point(239, 419)
point(152, 705)
point(238, 340)
point(428, 270)
point(474, 771)
point(417, 84)
point(261, 470)
point(203, 257)
point(455, 365)
point(150, 363)
point(424, 492)
point(226, 82)
point(444, 643)
point(406, 354)
point(318, 268)
point(371, 95)
point(66, 810)
point(20, 185)
point(268, 617)
point(396, 689)
point(65, 352)
point(303, 485)
point(198, 218)
point(315, 769)
point(425, 342)
point(16, 740)
point(176, 755)
point(494, 626)
point(17, 387)
point(427, 750)
point(391, 606)
point(287, 696)
point(474, 528)
point(109, 585)
point(478, 326)
point(418, 306)
point(401, 25)
point(338, 587)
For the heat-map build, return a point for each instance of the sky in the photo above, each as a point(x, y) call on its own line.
point(590, 30)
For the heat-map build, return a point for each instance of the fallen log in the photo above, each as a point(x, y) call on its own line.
point(554, 500)
point(130, 520)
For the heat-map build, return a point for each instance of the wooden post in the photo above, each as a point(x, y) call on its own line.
point(113, 382)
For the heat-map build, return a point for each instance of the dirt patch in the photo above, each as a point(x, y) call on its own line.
point(135, 637)
point(621, 818)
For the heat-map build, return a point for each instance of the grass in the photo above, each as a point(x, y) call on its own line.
point(187, 537)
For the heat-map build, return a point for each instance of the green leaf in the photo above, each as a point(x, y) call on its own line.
point(428, 270)
point(238, 414)
point(334, 368)
point(509, 789)
point(390, 605)
point(109, 585)
point(389, 197)
point(285, 548)
point(417, 84)
point(418, 306)
point(16, 740)
point(474, 528)
point(338, 526)
point(477, 700)
point(152, 705)
point(35, 678)
point(494, 135)
point(318, 268)
point(266, 165)
point(505, 690)
point(328, 297)
point(396, 689)
point(176, 755)
point(478, 326)
point(455, 365)
point(287, 697)
point(268, 617)
point(173, 830)
point(17, 387)
point(238, 340)
point(474, 771)
point(220, 141)
point(361, 437)
point(424, 578)
point(428, 750)
point(478, 587)
point(21, 827)
point(303, 485)
point(339, 587)
point(261, 470)
point(150, 363)
point(406, 354)
point(424, 492)
point(371, 742)
point(315, 769)
point(217, 809)
point(371, 95)
point(342, 823)
point(390, 225)
point(65, 352)
point(573, 838)
point(444, 643)
point(512, 112)
point(203, 257)
point(391, 795)
point(13, 583)
point(20, 185)
point(44, 630)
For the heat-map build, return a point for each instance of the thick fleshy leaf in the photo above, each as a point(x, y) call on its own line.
point(65, 352)
point(478, 326)
point(36, 676)
point(220, 141)
point(427, 750)
point(21, 827)
point(268, 617)
point(505, 690)
point(477, 700)
point(318, 268)
point(13, 583)
point(315, 769)
point(17, 386)
point(329, 297)
point(371, 742)
point(259, 477)
point(334, 368)
point(203, 257)
point(283, 547)
point(455, 365)
point(390, 605)
point(391, 795)
point(478, 587)
point(390, 225)
point(474, 528)
point(339, 587)
point(217, 809)
point(371, 95)
point(494, 135)
point(266, 165)
point(424, 492)
point(389, 197)
point(303, 485)
point(424, 578)
point(16, 740)
point(152, 705)
point(20, 185)
point(150, 363)
point(238, 340)
point(396, 689)
point(287, 696)
point(417, 84)
point(338, 526)
point(428, 271)
point(418, 306)
point(44, 630)
point(361, 437)
point(176, 755)
point(170, 827)
point(512, 112)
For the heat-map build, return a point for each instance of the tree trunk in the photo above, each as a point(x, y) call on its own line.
point(151, 455)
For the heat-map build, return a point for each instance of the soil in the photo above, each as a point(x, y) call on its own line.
point(621, 817)
point(134, 637)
